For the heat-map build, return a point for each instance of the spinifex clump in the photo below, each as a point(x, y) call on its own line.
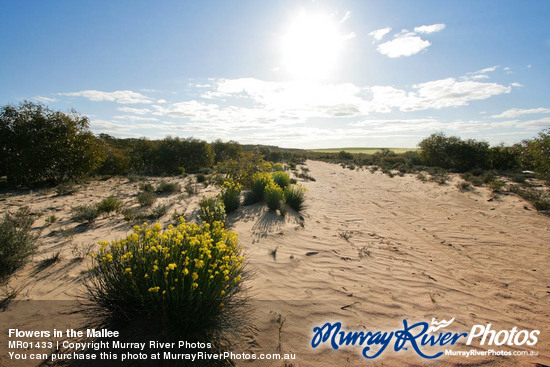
point(181, 281)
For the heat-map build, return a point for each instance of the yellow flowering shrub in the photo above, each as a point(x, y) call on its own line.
point(231, 195)
point(273, 195)
point(179, 279)
point(258, 183)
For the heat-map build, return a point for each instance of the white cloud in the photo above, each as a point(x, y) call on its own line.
point(44, 99)
point(349, 36)
point(248, 109)
point(517, 85)
point(480, 76)
point(486, 70)
point(134, 118)
point(135, 111)
point(516, 112)
point(119, 96)
point(249, 103)
point(405, 43)
point(403, 46)
point(346, 16)
point(534, 124)
point(425, 29)
point(380, 33)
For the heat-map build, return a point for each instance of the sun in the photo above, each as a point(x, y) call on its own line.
point(312, 46)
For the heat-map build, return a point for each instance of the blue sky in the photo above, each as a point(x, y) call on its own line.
point(305, 74)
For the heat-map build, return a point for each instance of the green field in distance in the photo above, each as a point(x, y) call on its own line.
point(363, 150)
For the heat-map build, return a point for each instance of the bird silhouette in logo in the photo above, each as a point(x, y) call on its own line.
point(439, 325)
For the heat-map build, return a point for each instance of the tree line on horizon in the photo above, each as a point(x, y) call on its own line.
point(40, 146)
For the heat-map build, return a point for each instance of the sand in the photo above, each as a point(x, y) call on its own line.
point(368, 251)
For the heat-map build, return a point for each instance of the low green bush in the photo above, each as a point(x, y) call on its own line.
point(539, 199)
point(51, 219)
point(231, 196)
point(178, 283)
point(212, 209)
point(281, 179)
point(158, 211)
point(201, 178)
point(273, 195)
point(109, 205)
point(168, 187)
point(85, 213)
point(496, 185)
point(147, 187)
point(278, 167)
point(66, 188)
point(258, 183)
point(464, 186)
point(295, 196)
point(17, 242)
point(146, 198)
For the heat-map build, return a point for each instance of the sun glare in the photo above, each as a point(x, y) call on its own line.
point(311, 46)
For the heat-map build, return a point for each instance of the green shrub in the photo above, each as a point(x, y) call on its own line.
point(464, 186)
point(231, 196)
point(496, 185)
point(85, 213)
point(159, 211)
point(109, 205)
point(542, 204)
point(146, 186)
point(258, 183)
point(420, 176)
point(201, 178)
point(51, 219)
point(225, 151)
point(281, 179)
point(273, 195)
point(190, 189)
point(40, 145)
point(212, 210)
point(440, 178)
point(453, 152)
point(243, 169)
point(345, 156)
point(130, 214)
point(17, 242)
point(294, 196)
point(66, 188)
point(539, 199)
point(146, 198)
point(178, 283)
point(168, 187)
point(278, 167)
point(170, 156)
point(135, 178)
point(535, 154)
point(478, 177)
point(504, 158)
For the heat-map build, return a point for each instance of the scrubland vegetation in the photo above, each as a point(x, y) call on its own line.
point(476, 162)
point(177, 283)
point(187, 277)
point(17, 241)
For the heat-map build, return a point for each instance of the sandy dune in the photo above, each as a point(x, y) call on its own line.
point(368, 251)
